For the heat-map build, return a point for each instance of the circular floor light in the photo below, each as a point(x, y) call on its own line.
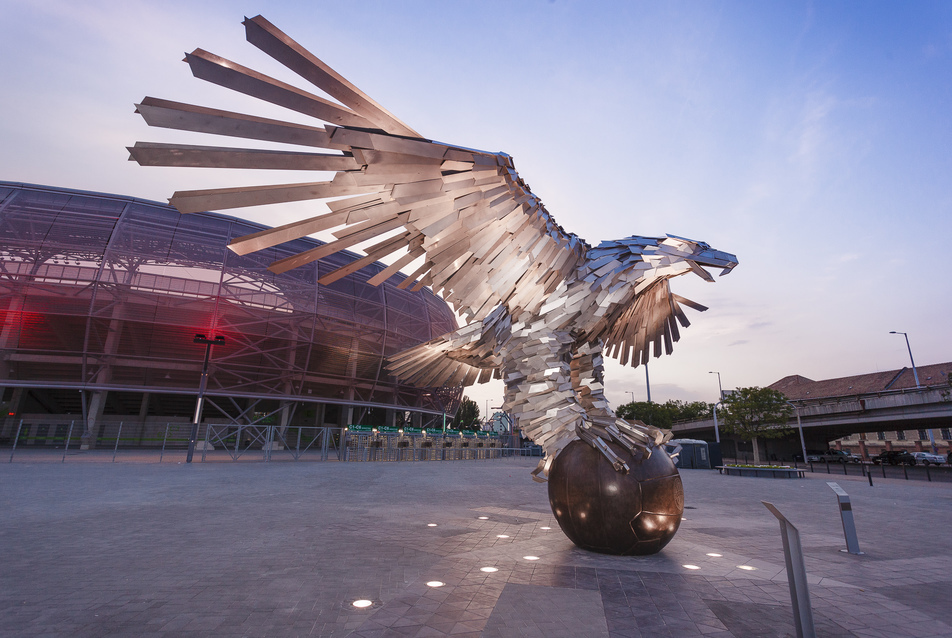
point(488, 570)
point(362, 603)
point(714, 555)
point(502, 535)
point(746, 568)
point(545, 527)
point(435, 583)
point(690, 567)
point(482, 518)
point(530, 557)
point(431, 524)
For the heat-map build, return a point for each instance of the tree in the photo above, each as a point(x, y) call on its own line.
point(663, 415)
point(467, 417)
point(751, 413)
point(651, 413)
point(688, 410)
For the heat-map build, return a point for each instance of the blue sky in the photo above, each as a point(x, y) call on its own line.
point(814, 141)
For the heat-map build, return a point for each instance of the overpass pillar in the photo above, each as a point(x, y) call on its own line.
point(862, 450)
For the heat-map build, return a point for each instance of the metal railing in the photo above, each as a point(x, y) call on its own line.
point(867, 469)
point(61, 440)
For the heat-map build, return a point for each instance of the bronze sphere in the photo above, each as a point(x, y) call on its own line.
point(603, 510)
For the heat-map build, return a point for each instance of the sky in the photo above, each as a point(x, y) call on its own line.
point(812, 140)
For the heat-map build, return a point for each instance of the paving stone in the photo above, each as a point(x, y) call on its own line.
point(149, 549)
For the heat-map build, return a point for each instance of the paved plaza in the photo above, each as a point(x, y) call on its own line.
point(285, 548)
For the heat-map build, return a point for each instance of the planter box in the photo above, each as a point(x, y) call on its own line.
point(770, 472)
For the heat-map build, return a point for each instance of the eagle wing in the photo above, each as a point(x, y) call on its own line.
point(652, 318)
point(483, 237)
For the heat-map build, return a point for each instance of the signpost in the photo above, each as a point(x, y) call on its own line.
point(796, 575)
point(846, 514)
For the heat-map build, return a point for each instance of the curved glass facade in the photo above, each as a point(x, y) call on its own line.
point(106, 293)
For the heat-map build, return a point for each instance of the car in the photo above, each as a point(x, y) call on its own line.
point(834, 456)
point(928, 458)
point(812, 456)
point(894, 457)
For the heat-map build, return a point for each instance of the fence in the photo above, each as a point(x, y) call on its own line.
point(869, 470)
point(53, 440)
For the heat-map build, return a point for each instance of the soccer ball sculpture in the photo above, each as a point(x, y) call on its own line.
point(602, 510)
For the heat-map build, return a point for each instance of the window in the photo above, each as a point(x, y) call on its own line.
point(900, 435)
point(946, 433)
point(923, 435)
point(881, 436)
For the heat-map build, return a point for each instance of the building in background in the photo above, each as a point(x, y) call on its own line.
point(101, 297)
point(847, 393)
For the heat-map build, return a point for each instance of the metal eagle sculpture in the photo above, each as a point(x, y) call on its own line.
point(541, 305)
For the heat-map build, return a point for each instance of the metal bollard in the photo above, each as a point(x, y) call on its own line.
point(796, 575)
point(846, 514)
point(116, 448)
point(69, 435)
point(16, 439)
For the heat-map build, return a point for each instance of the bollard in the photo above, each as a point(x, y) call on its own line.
point(869, 475)
point(16, 439)
point(846, 514)
point(164, 439)
point(116, 448)
point(796, 575)
point(69, 435)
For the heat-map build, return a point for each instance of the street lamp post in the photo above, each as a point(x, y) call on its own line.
point(720, 389)
point(803, 445)
point(915, 375)
point(632, 393)
point(647, 383)
point(717, 431)
point(201, 390)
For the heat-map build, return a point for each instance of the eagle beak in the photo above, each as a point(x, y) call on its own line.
point(713, 258)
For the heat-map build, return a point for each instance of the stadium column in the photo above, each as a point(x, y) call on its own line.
point(93, 415)
point(352, 375)
point(11, 419)
point(282, 426)
point(98, 402)
point(9, 335)
point(144, 407)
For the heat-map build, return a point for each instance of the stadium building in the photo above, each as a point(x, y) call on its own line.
point(102, 297)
